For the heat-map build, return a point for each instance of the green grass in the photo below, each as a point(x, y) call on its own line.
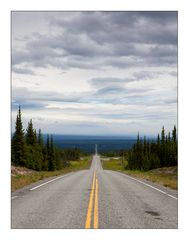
point(112, 165)
point(166, 176)
point(21, 180)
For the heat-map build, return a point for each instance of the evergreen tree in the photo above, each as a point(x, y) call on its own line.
point(45, 158)
point(47, 151)
point(162, 149)
point(52, 161)
point(48, 144)
point(158, 147)
point(18, 143)
point(40, 138)
point(148, 155)
point(30, 151)
point(34, 149)
point(163, 135)
point(30, 134)
point(169, 137)
point(174, 134)
point(35, 136)
point(34, 157)
point(166, 139)
point(144, 146)
point(174, 146)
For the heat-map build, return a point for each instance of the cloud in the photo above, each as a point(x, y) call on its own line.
point(29, 105)
point(121, 69)
point(101, 95)
point(145, 75)
point(22, 71)
point(107, 90)
point(101, 39)
point(122, 82)
point(173, 73)
point(151, 27)
point(110, 90)
point(105, 82)
point(21, 94)
point(171, 101)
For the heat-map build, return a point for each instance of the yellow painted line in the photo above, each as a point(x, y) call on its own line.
point(90, 206)
point(96, 206)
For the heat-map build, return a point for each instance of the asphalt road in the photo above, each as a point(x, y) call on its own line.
point(94, 198)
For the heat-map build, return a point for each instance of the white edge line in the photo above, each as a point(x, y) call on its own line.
point(49, 181)
point(150, 186)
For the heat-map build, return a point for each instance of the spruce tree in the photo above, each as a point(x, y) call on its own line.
point(149, 155)
point(44, 150)
point(48, 144)
point(30, 134)
point(162, 149)
point(52, 161)
point(158, 146)
point(40, 138)
point(174, 146)
point(163, 135)
point(145, 146)
point(35, 136)
point(48, 157)
point(18, 142)
point(34, 150)
point(169, 137)
point(174, 134)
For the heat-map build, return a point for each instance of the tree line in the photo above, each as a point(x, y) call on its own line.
point(29, 149)
point(146, 154)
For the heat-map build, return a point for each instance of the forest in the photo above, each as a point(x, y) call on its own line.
point(29, 149)
point(146, 155)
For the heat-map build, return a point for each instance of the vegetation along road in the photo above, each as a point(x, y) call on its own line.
point(94, 198)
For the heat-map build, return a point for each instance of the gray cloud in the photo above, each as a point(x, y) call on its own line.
point(151, 27)
point(103, 82)
point(107, 90)
point(21, 94)
point(118, 50)
point(122, 82)
point(171, 101)
point(137, 116)
point(110, 90)
point(100, 39)
point(28, 105)
point(173, 73)
point(22, 71)
point(108, 95)
point(145, 75)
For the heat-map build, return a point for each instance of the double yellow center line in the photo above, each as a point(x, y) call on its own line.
point(93, 197)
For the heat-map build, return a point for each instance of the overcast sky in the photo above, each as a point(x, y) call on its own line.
point(95, 73)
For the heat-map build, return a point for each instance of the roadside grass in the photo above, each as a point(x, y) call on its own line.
point(21, 180)
point(112, 164)
point(166, 176)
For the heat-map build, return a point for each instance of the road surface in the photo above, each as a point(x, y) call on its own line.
point(94, 198)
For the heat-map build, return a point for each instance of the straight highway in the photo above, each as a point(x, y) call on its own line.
point(94, 198)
